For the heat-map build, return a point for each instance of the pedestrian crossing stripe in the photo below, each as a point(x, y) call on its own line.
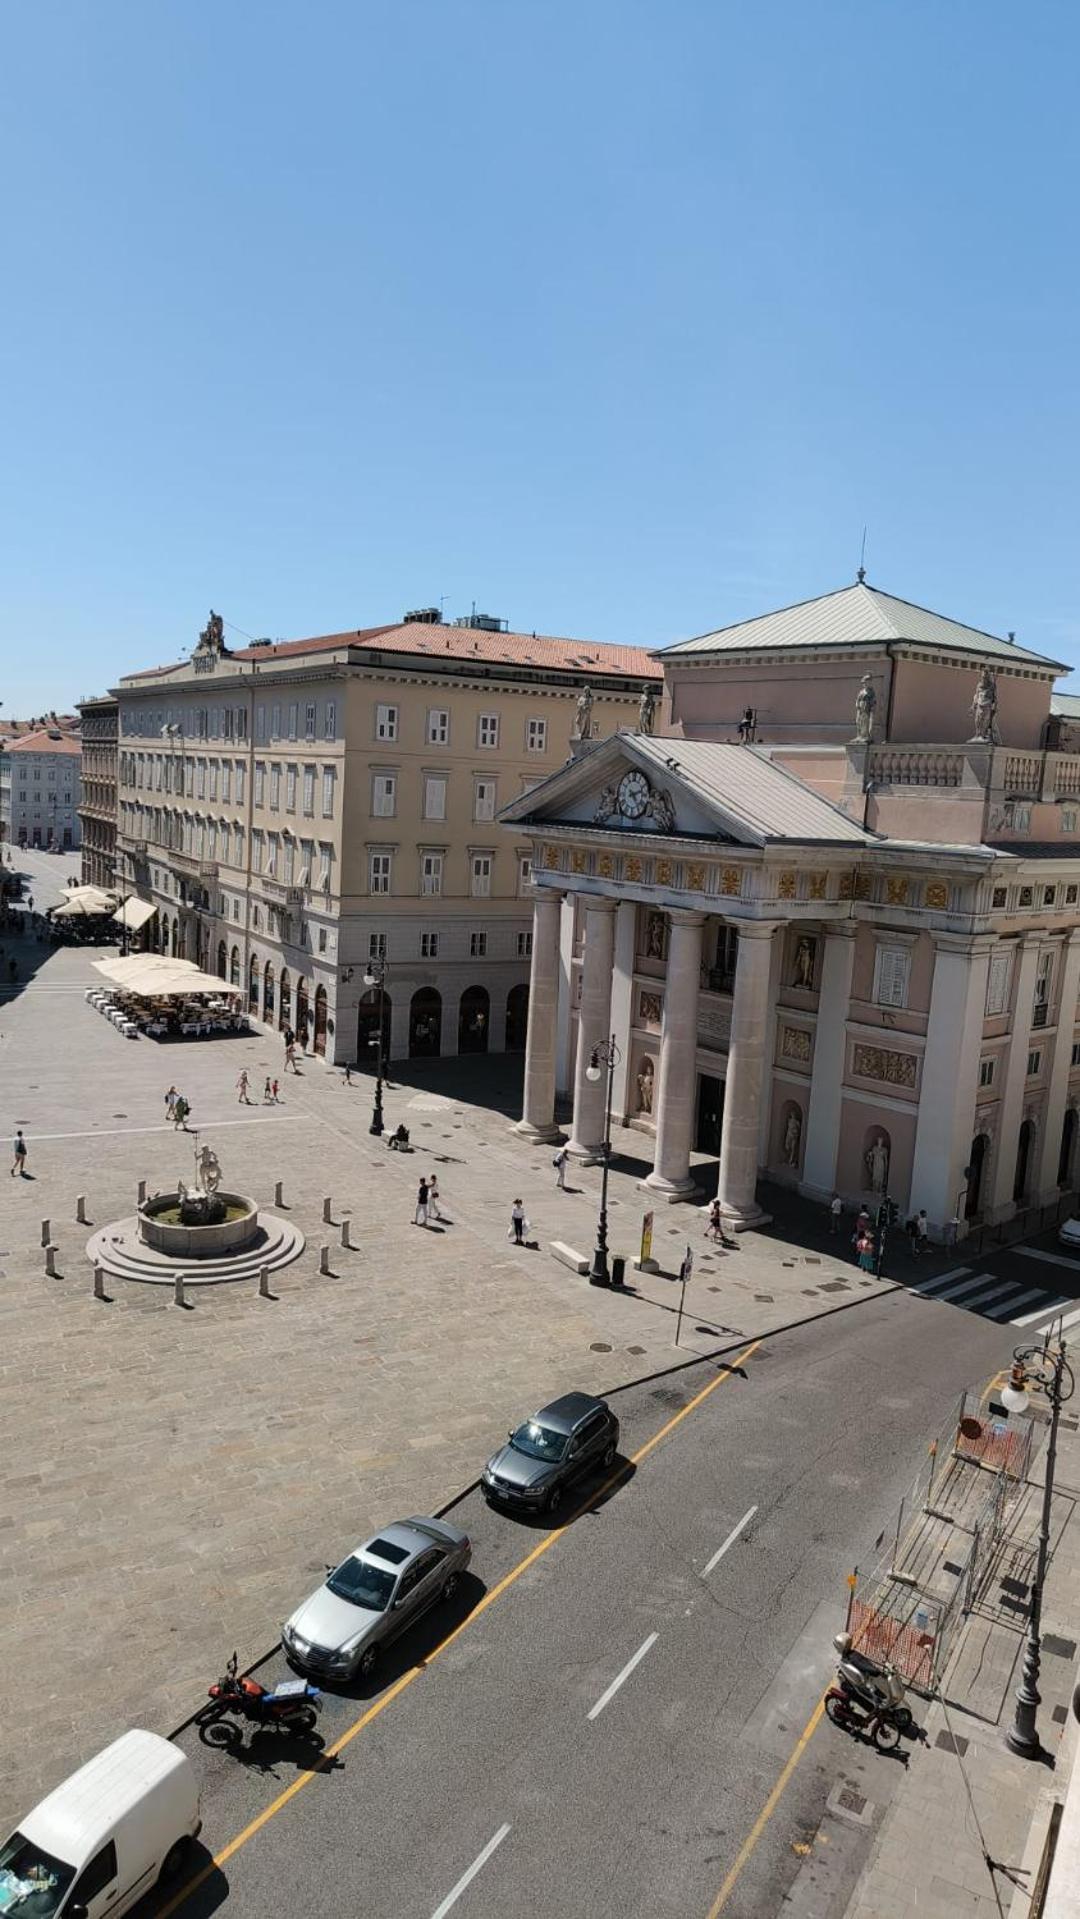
point(1002, 1299)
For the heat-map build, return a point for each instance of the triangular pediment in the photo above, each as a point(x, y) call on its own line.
point(620, 789)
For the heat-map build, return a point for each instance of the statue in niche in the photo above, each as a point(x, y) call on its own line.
point(877, 1164)
point(792, 1137)
point(865, 703)
point(654, 936)
point(583, 715)
point(803, 975)
point(984, 707)
point(646, 710)
point(645, 1087)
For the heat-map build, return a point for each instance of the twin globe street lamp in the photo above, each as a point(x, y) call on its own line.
point(1039, 1366)
point(376, 976)
point(607, 1055)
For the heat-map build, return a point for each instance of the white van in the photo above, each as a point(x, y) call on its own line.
point(103, 1838)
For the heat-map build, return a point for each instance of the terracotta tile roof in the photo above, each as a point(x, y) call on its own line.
point(467, 643)
point(45, 742)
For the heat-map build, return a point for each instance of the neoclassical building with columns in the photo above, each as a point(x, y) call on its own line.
point(830, 913)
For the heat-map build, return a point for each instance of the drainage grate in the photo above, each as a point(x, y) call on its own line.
point(835, 1286)
point(951, 1567)
point(766, 1299)
point(1061, 1648)
point(1059, 1715)
point(952, 1742)
point(851, 1800)
point(636, 1350)
point(599, 1347)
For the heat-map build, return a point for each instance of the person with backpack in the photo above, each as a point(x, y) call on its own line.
point(559, 1163)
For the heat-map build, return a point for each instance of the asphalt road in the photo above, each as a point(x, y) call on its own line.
point(602, 1734)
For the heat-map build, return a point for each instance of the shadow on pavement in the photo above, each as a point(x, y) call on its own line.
point(209, 1891)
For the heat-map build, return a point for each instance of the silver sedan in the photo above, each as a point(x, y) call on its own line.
point(375, 1594)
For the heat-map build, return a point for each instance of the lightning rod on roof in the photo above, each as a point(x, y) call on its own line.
point(861, 573)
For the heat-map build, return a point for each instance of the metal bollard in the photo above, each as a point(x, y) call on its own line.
point(324, 1259)
point(178, 1290)
point(279, 1193)
point(99, 1282)
point(142, 1192)
point(46, 1232)
point(80, 1209)
point(327, 1221)
point(264, 1283)
point(345, 1240)
point(50, 1262)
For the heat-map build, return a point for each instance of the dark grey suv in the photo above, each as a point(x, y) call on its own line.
point(562, 1442)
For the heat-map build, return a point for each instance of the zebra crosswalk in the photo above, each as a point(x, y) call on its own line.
point(1015, 1301)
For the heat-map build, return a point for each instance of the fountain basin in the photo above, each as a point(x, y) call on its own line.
point(160, 1226)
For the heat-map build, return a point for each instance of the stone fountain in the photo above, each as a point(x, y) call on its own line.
point(201, 1231)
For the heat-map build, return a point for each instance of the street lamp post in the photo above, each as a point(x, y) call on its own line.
point(376, 976)
point(1050, 1370)
point(607, 1055)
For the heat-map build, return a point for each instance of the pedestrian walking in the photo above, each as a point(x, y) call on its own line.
point(180, 1111)
point(434, 1209)
point(559, 1163)
point(865, 1252)
point(348, 1074)
point(518, 1223)
point(267, 1094)
point(274, 1091)
point(423, 1194)
point(288, 1036)
point(836, 1213)
point(922, 1232)
point(715, 1227)
point(290, 1058)
point(242, 1089)
point(19, 1162)
point(171, 1098)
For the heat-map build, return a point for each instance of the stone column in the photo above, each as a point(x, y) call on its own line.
point(744, 1087)
point(677, 1079)
point(1011, 1111)
point(622, 1003)
point(538, 1117)
point(827, 1080)
point(1057, 1091)
point(594, 1027)
point(946, 1119)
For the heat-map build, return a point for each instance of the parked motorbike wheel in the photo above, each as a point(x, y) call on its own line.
point(223, 1733)
point(886, 1734)
point(837, 1710)
point(304, 1719)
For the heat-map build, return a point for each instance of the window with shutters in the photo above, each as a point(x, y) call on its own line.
point(384, 795)
point(294, 713)
point(226, 779)
point(330, 720)
point(891, 969)
point(386, 722)
point(434, 796)
point(431, 874)
point(200, 783)
point(438, 726)
point(477, 945)
point(213, 779)
point(328, 792)
point(998, 980)
point(481, 875)
point(275, 787)
point(380, 872)
point(260, 782)
point(309, 720)
point(309, 790)
point(240, 782)
point(429, 946)
point(260, 724)
point(487, 730)
point(1040, 1012)
point(986, 1072)
point(536, 736)
point(484, 800)
point(275, 723)
point(524, 873)
point(290, 789)
point(1034, 1062)
point(524, 945)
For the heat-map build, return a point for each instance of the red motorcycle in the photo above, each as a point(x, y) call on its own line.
point(293, 1704)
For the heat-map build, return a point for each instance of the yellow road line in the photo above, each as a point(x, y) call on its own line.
point(303, 1779)
point(750, 1842)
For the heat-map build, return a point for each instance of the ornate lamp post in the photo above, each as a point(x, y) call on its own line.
point(376, 976)
point(607, 1055)
point(1049, 1369)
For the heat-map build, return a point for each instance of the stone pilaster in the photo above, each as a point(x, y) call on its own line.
point(677, 1078)
point(745, 1084)
point(594, 1028)
point(538, 1115)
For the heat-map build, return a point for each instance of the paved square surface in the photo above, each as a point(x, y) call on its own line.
point(171, 1481)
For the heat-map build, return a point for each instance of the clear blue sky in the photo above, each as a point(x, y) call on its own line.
point(618, 318)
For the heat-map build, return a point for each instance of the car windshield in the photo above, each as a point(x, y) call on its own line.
point(538, 1442)
point(364, 1585)
point(32, 1882)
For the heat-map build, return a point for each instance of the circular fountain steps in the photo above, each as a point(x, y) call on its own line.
point(119, 1251)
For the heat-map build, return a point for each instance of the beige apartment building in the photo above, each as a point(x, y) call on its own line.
point(97, 806)
point(290, 812)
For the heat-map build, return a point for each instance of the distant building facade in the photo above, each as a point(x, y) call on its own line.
point(40, 788)
point(295, 812)
point(97, 811)
point(831, 914)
